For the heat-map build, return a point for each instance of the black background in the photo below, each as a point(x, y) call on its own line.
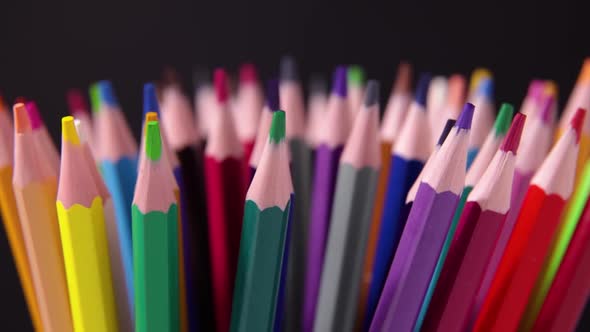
point(49, 46)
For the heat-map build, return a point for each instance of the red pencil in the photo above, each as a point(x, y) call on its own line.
point(531, 238)
point(224, 184)
point(248, 106)
point(483, 217)
point(571, 287)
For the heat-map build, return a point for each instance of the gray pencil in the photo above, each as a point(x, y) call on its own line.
point(351, 216)
point(291, 96)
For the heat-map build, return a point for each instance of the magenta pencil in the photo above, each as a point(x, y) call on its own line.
point(483, 217)
point(536, 141)
point(326, 170)
point(424, 233)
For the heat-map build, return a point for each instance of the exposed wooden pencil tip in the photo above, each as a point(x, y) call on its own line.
point(68, 130)
point(220, 84)
point(504, 118)
point(151, 116)
point(512, 139)
point(34, 116)
point(21, 118)
point(577, 122)
point(277, 127)
point(153, 141)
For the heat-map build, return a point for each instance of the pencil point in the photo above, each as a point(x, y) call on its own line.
point(577, 122)
point(477, 76)
point(547, 110)
point(76, 102)
point(107, 93)
point(403, 78)
point(272, 94)
point(317, 84)
point(220, 84)
point(21, 118)
point(248, 73)
point(422, 89)
point(486, 88)
point(372, 93)
point(153, 141)
point(277, 127)
point(446, 130)
point(550, 88)
point(151, 116)
point(456, 90)
point(68, 130)
point(535, 89)
point(94, 93)
point(356, 75)
point(339, 84)
point(503, 120)
point(34, 116)
point(512, 139)
point(288, 69)
point(464, 121)
point(150, 99)
point(585, 72)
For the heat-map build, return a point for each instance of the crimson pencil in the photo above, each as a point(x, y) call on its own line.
point(531, 238)
point(571, 287)
point(224, 183)
point(482, 217)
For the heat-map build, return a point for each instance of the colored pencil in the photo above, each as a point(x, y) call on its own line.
point(530, 240)
point(266, 217)
point(395, 113)
point(437, 293)
point(316, 107)
point(78, 108)
point(356, 88)
point(35, 188)
point(117, 157)
point(424, 234)
point(155, 240)
point(291, 99)
point(272, 104)
point(327, 159)
point(483, 119)
point(530, 104)
point(224, 183)
point(410, 201)
point(83, 236)
point(477, 76)
point(455, 99)
point(435, 104)
point(564, 303)
point(185, 143)
point(9, 213)
point(535, 144)
point(350, 219)
point(483, 216)
point(204, 101)
point(249, 103)
point(408, 155)
point(46, 145)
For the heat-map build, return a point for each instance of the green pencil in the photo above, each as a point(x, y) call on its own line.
point(155, 240)
point(266, 218)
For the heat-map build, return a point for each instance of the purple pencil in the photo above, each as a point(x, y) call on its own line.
point(425, 232)
point(327, 158)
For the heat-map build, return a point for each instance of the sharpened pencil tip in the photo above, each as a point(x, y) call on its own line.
point(151, 116)
point(422, 89)
point(503, 119)
point(477, 76)
point(94, 93)
point(317, 84)
point(512, 139)
point(248, 73)
point(34, 116)
point(547, 110)
point(107, 93)
point(153, 141)
point(577, 122)
point(446, 130)
point(339, 82)
point(372, 93)
point(535, 89)
point(220, 83)
point(585, 72)
point(288, 69)
point(486, 88)
point(551, 89)
point(21, 118)
point(456, 94)
point(150, 99)
point(356, 75)
point(464, 121)
point(272, 94)
point(68, 130)
point(277, 127)
point(403, 78)
point(76, 102)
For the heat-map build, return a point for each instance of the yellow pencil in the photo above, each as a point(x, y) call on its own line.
point(84, 243)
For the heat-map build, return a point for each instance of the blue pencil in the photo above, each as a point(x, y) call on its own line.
point(409, 154)
point(483, 119)
point(117, 155)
